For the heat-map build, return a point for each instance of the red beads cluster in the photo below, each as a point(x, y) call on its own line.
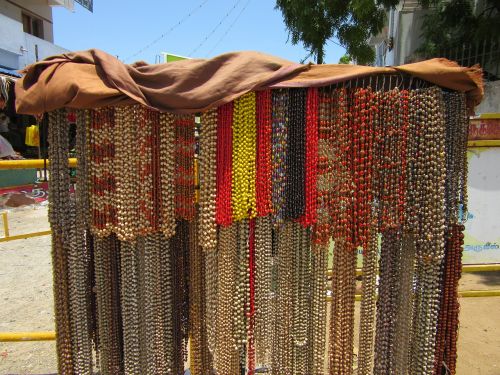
point(223, 213)
point(362, 164)
point(311, 192)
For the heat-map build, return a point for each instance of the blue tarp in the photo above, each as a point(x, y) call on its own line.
point(10, 72)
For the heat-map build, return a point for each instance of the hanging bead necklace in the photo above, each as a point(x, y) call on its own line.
point(224, 214)
point(295, 183)
point(208, 183)
point(279, 153)
point(311, 192)
point(264, 131)
point(244, 157)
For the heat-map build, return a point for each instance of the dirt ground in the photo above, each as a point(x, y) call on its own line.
point(26, 305)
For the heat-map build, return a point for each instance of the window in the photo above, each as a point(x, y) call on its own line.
point(33, 25)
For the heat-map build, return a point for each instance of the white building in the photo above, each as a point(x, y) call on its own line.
point(26, 31)
point(400, 38)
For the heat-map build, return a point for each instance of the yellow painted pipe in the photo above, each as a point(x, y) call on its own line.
point(484, 143)
point(462, 294)
point(51, 335)
point(29, 164)
point(26, 235)
point(5, 224)
point(465, 269)
point(27, 336)
point(479, 293)
point(471, 268)
point(489, 116)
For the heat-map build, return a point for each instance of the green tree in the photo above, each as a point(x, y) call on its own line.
point(351, 22)
point(452, 23)
point(346, 59)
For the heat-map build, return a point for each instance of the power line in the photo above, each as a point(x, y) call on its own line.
point(215, 28)
point(193, 11)
point(229, 28)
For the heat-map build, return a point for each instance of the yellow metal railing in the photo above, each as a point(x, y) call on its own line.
point(51, 335)
point(27, 336)
point(8, 237)
point(30, 164)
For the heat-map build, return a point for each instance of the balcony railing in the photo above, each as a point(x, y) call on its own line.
point(485, 53)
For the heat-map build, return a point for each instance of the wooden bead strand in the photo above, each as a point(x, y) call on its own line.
point(264, 130)
point(208, 183)
point(58, 202)
point(263, 290)
point(279, 153)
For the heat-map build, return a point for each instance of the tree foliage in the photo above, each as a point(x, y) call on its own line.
point(351, 22)
point(450, 24)
point(346, 59)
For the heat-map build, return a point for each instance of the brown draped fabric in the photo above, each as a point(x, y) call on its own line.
point(93, 78)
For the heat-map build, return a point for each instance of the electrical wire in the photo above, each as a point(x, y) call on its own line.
point(215, 28)
point(172, 28)
point(229, 28)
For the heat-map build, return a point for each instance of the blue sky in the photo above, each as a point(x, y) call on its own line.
point(123, 28)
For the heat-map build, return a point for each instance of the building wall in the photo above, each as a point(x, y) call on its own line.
point(491, 100)
point(14, 9)
point(405, 27)
point(17, 48)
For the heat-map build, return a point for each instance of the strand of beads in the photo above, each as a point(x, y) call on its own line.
point(279, 142)
point(341, 344)
point(125, 173)
point(78, 257)
point(340, 181)
point(102, 171)
point(130, 307)
point(211, 291)
point(368, 234)
point(457, 124)
point(430, 238)
point(404, 310)
point(317, 323)
point(224, 214)
point(455, 266)
point(144, 174)
point(386, 303)
point(167, 168)
point(321, 231)
point(263, 289)
point(295, 183)
point(368, 304)
point(264, 131)
point(59, 185)
point(166, 291)
point(154, 345)
point(404, 118)
point(447, 317)
point(241, 306)
point(207, 173)
point(106, 265)
point(250, 364)
point(243, 159)
point(200, 361)
point(226, 360)
point(301, 306)
point(311, 166)
point(184, 166)
point(283, 343)
point(179, 252)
